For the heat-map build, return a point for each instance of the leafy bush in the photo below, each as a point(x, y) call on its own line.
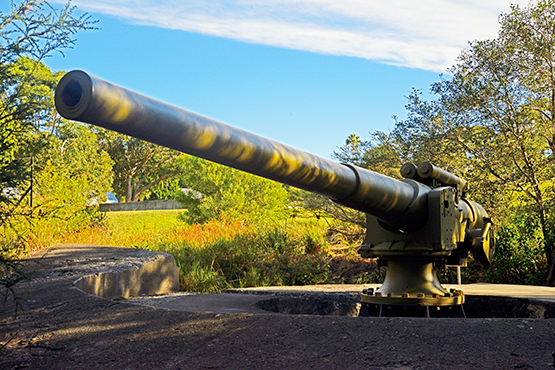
point(519, 255)
point(164, 190)
point(61, 208)
point(219, 191)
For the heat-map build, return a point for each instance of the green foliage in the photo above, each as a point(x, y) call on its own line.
point(519, 253)
point(72, 150)
point(36, 29)
point(17, 132)
point(165, 190)
point(32, 29)
point(220, 191)
point(354, 151)
point(34, 83)
point(344, 225)
point(65, 161)
point(61, 206)
point(380, 153)
point(28, 33)
point(221, 254)
point(267, 257)
point(498, 107)
point(491, 124)
point(62, 201)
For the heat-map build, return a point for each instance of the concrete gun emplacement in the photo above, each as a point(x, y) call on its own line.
point(411, 223)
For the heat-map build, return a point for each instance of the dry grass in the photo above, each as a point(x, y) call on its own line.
point(220, 253)
point(146, 229)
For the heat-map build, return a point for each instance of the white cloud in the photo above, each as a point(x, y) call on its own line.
point(424, 34)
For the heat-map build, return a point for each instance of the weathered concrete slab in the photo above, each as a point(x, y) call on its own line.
point(335, 299)
point(110, 272)
point(64, 328)
point(160, 276)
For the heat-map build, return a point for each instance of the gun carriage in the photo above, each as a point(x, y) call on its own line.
point(412, 223)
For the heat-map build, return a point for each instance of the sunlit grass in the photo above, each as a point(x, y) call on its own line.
point(217, 254)
point(146, 229)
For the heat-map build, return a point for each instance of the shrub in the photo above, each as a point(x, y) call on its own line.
point(519, 257)
point(223, 192)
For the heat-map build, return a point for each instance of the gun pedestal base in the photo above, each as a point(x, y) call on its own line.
point(412, 288)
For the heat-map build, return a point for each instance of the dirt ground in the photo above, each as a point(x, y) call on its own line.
point(64, 328)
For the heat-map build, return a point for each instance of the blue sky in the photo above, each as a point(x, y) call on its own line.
point(306, 73)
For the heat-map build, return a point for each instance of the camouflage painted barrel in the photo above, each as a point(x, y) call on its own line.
point(82, 97)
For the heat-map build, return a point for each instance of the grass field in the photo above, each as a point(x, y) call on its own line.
point(224, 254)
point(233, 253)
point(146, 229)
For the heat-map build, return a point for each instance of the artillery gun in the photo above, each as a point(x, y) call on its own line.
point(412, 224)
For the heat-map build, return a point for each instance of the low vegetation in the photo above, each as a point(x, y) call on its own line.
point(223, 254)
point(299, 250)
point(297, 246)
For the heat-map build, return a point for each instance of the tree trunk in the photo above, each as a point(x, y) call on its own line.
point(548, 248)
point(138, 189)
point(550, 280)
point(129, 189)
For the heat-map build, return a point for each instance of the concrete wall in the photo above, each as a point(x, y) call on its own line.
point(140, 206)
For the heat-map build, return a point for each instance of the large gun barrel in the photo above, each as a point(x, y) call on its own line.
point(82, 97)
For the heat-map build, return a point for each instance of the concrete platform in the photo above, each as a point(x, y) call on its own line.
point(152, 279)
point(541, 293)
point(62, 327)
point(247, 300)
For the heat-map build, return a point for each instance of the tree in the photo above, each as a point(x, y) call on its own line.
point(500, 107)
point(138, 165)
point(353, 151)
point(217, 191)
point(378, 154)
point(28, 34)
point(165, 190)
point(493, 122)
point(33, 29)
point(72, 149)
point(69, 171)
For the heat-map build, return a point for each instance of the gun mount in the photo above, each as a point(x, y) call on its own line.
point(411, 223)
